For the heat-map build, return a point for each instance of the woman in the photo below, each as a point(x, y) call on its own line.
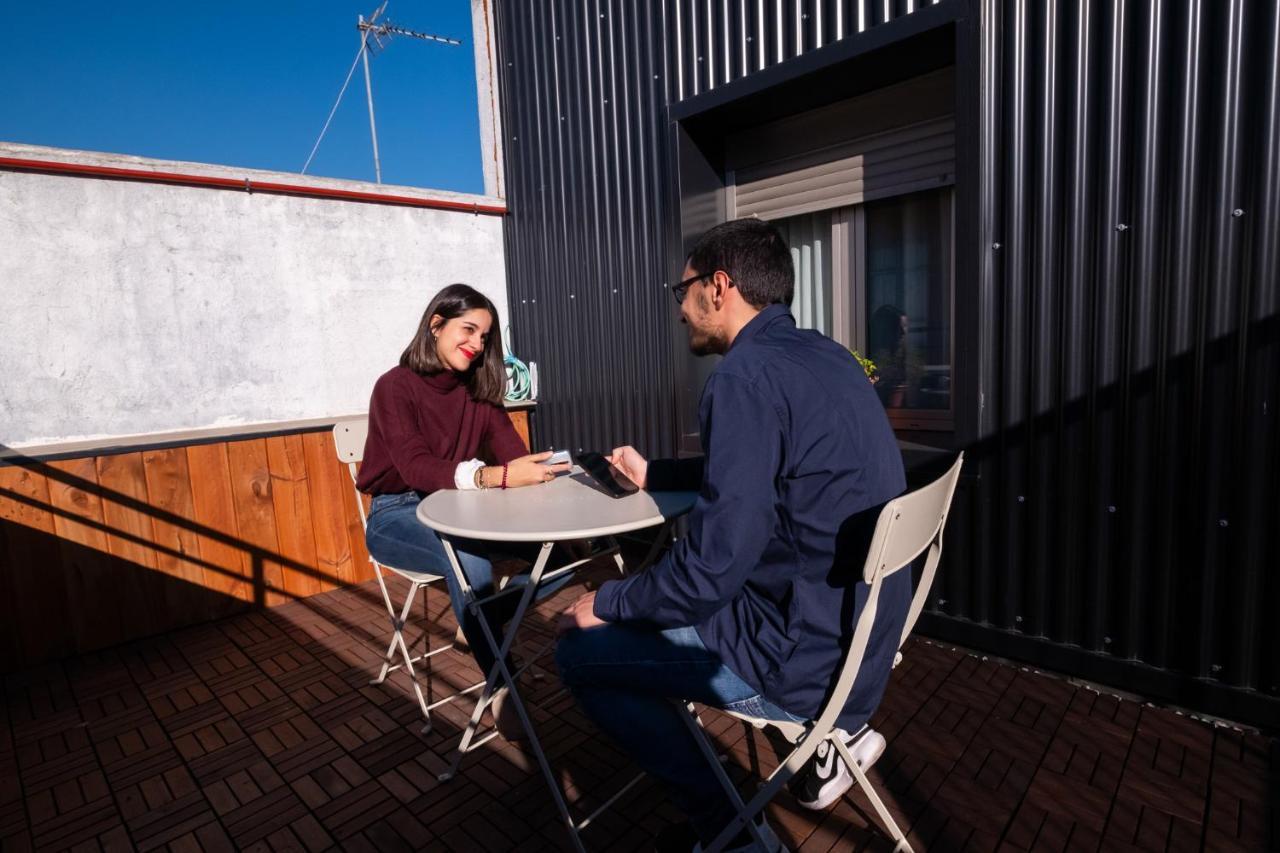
point(430, 420)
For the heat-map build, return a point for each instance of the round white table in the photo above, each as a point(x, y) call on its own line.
point(570, 507)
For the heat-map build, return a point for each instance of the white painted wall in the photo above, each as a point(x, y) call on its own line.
point(132, 308)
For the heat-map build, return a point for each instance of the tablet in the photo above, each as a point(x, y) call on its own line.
point(606, 474)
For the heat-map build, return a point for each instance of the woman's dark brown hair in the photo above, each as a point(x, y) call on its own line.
point(487, 378)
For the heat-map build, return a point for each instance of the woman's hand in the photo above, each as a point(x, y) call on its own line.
point(525, 471)
point(629, 461)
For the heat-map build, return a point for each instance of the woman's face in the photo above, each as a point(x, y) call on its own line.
point(461, 341)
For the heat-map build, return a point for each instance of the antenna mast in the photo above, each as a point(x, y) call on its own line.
point(379, 31)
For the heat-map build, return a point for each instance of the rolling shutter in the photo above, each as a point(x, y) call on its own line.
point(902, 160)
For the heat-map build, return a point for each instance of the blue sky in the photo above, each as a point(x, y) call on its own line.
point(244, 84)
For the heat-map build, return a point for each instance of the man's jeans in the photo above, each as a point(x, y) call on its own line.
point(625, 675)
point(396, 537)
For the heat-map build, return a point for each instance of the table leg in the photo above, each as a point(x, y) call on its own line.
point(660, 541)
point(500, 669)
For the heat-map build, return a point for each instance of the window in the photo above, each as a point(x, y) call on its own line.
point(877, 277)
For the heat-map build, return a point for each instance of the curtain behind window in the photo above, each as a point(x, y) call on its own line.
point(809, 237)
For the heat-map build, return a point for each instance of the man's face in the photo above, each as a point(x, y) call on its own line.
point(698, 312)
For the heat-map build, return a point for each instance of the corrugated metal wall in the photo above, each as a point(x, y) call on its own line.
point(584, 92)
point(718, 41)
point(585, 86)
point(1127, 286)
point(1132, 480)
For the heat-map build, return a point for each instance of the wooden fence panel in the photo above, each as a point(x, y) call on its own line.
point(227, 569)
point(178, 555)
point(102, 549)
point(290, 493)
point(256, 517)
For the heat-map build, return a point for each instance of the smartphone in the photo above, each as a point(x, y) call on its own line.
point(606, 474)
point(560, 457)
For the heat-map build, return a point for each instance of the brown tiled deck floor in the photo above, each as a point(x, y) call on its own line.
point(261, 732)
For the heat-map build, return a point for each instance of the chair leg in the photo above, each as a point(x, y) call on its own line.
point(746, 813)
point(395, 625)
point(397, 640)
point(408, 660)
point(899, 838)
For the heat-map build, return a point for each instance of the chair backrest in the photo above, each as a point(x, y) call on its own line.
point(906, 527)
point(349, 437)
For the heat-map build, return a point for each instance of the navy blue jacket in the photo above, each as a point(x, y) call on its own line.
point(798, 460)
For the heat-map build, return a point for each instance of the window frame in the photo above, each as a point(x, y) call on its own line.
point(848, 300)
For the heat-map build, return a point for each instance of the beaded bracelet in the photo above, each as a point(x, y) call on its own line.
point(504, 476)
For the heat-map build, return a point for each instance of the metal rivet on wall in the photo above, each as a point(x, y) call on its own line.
point(1111, 508)
point(1106, 641)
point(1017, 619)
point(1237, 212)
point(995, 246)
point(1222, 522)
point(941, 601)
point(1122, 227)
point(1022, 499)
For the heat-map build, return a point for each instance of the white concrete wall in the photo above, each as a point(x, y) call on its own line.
point(131, 308)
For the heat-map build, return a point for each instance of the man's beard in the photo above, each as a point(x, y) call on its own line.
point(705, 343)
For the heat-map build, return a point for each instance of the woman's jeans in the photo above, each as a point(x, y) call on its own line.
point(396, 537)
point(625, 676)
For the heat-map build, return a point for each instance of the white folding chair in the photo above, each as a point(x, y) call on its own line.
point(906, 527)
point(349, 438)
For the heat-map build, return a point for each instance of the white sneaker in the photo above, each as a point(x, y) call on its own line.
point(825, 778)
point(772, 844)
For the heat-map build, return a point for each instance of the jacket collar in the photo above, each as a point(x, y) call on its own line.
point(767, 317)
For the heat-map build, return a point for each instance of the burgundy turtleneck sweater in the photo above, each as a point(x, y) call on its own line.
point(421, 427)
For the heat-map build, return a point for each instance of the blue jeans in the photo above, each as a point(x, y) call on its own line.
point(624, 675)
point(395, 537)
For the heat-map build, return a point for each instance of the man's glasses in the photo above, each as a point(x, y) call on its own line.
point(681, 290)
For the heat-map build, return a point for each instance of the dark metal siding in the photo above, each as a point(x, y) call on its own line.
point(1124, 318)
point(718, 41)
point(1129, 456)
point(584, 92)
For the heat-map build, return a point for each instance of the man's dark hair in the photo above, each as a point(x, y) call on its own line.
point(753, 254)
point(486, 379)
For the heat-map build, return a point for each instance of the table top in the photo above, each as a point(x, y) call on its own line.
point(569, 507)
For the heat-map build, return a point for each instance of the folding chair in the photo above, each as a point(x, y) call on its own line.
point(349, 438)
point(906, 527)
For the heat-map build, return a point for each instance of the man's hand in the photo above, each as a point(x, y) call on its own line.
point(579, 615)
point(630, 462)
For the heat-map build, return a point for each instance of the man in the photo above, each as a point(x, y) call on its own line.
point(754, 609)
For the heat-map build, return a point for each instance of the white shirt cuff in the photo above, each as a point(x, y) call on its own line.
point(464, 476)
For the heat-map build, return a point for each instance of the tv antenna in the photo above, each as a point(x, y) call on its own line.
point(373, 35)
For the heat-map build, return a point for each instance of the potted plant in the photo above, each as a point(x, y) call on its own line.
point(868, 366)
